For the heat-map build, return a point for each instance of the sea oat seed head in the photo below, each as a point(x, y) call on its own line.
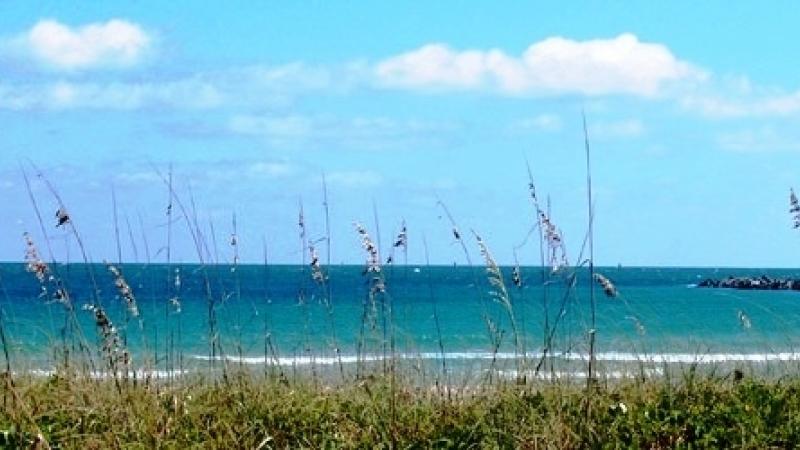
point(608, 287)
point(125, 291)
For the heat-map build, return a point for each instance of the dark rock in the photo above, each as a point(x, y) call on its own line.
point(752, 283)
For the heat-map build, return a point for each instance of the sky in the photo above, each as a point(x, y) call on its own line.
point(692, 111)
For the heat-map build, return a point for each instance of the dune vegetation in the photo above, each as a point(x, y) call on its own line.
point(100, 394)
point(253, 412)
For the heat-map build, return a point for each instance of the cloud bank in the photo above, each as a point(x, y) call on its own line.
point(68, 57)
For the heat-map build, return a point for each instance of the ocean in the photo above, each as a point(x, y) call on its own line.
point(278, 315)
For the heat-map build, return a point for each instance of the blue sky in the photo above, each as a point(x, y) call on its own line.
point(692, 109)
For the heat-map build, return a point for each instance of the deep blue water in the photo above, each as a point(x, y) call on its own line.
point(658, 312)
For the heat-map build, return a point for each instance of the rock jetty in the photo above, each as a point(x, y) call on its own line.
point(755, 283)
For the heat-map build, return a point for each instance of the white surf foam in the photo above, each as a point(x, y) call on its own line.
point(100, 374)
point(621, 357)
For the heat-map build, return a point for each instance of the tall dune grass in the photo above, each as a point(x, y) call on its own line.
point(382, 399)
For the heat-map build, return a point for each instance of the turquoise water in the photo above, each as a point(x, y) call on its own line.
point(279, 314)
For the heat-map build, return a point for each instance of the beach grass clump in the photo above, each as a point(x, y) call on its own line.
point(255, 412)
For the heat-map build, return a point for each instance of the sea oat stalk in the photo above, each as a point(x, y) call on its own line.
point(500, 294)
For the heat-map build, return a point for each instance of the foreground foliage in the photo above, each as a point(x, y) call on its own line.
point(252, 412)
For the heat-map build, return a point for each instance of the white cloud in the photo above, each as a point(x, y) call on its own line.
point(271, 169)
point(622, 65)
point(246, 86)
point(59, 95)
point(731, 106)
point(728, 97)
point(758, 140)
point(355, 133)
point(233, 171)
point(541, 122)
point(438, 184)
point(218, 171)
point(355, 179)
point(137, 178)
point(277, 129)
point(627, 128)
point(116, 43)
point(712, 106)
